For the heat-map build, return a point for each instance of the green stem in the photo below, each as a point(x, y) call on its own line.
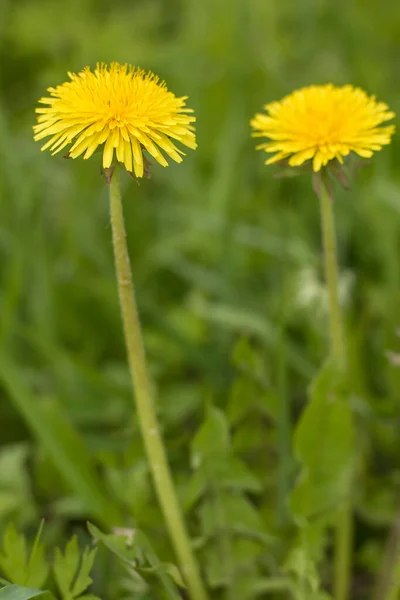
point(144, 405)
point(343, 551)
point(331, 274)
point(344, 528)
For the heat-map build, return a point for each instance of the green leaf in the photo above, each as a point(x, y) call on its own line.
point(83, 581)
point(14, 559)
point(14, 555)
point(134, 549)
point(71, 570)
point(65, 566)
point(123, 546)
point(212, 438)
point(17, 592)
point(323, 444)
point(228, 471)
point(233, 512)
point(242, 516)
point(37, 569)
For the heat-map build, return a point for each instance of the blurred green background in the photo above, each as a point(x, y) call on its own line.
point(221, 250)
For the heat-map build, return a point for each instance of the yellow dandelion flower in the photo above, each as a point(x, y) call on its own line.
point(118, 108)
point(322, 123)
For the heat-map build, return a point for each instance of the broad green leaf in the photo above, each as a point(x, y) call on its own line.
point(65, 566)
point(17, 592)
point(323, 444)
point(14, 555)
point(212, 438)
point(62, 443)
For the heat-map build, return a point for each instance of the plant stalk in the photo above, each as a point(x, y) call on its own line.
point(332, 278)
point(344, 527)
point(154, 446)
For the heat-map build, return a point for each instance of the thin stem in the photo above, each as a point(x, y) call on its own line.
point(344, 528)
point(331, 274)
point(343, 551)
point(144, 405)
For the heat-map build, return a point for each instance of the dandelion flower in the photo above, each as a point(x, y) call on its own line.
point(322, 123)
point(117, 108)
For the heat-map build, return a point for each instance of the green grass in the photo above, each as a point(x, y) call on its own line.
point(220, 251)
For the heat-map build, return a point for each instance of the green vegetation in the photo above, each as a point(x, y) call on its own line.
point(228, 270)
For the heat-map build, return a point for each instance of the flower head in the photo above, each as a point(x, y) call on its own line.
point(322, 123)
point(118, 108)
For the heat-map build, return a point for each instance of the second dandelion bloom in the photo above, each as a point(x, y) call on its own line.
point(321, 123)
point(119, 109)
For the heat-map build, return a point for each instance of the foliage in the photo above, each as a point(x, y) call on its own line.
point(228, 271)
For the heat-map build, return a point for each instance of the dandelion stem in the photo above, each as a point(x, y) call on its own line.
point(331, 274)
point(344, 527)
point(156, 453)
